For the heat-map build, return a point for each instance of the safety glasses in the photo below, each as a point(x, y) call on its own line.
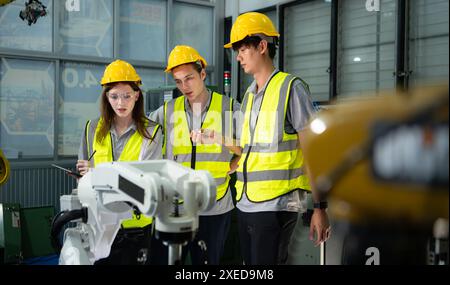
point(126, 96)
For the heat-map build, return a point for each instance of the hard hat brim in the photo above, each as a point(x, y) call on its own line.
point(104, 82)
point(230, 44)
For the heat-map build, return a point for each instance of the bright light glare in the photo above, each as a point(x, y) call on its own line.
point(318, 126)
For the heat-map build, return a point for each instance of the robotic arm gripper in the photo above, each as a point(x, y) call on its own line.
point(107, 194)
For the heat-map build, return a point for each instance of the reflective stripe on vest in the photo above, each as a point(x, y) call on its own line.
point(211, 157)
point(104, 154)
point(271, 164)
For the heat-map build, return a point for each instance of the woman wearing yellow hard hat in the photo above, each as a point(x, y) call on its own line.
point(271, 177)
point(198, 112)
point(122, 133)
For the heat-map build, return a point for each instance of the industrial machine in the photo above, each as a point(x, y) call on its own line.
point(23, 231)
point(34, 9)
point(5, 2)
point(9, 251)
point(110, 193)
point(383, 162)
point(4, 168)
point(154, 98)
point(10, 234)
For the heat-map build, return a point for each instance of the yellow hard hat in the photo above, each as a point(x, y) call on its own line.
point(249, 24)
point(182, 55)
point(118, 71)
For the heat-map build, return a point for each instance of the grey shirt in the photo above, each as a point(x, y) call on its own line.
point(225, 204)
point(300, 111)
point(149, 151)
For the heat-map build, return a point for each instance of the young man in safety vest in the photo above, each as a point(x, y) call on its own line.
point(183, 119)
point(272, 178)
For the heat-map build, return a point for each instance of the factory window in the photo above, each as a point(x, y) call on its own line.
point(75, 41)
point(16, 34)
point(88, 31)
point(428, 43)
point(26, 108)
point(307, 45)
point(194, 26)
point(151, 78)
point(366, 47)
point(143, 30)
point(80, 90)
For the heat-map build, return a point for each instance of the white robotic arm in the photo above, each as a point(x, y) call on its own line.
point(109, 192)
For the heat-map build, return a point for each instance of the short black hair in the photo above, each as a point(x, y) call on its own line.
point(254, 42)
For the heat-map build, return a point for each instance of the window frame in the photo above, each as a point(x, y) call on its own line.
point(59, 58)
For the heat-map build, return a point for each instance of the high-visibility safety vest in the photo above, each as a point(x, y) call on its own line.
point(271, 162)
point(131, 151)
point(178, 146)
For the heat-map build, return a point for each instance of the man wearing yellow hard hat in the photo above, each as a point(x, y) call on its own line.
point(196, 126)
point(122, 133)
point(271, 178)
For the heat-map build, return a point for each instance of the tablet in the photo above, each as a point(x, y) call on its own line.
point(68, 171)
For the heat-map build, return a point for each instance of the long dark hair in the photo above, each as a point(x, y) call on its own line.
point(108, 114)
